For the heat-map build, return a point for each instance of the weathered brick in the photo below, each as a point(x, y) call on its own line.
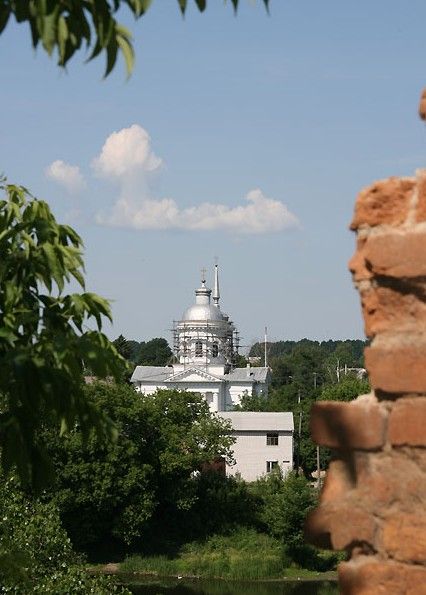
point(359, 424)
point(398, 368)
point(421, 197)
point(404, 536)
point(337, 482)
point(384, 202)
point(357, 264)
point(407, 422)
point(422, 105)
point(370, 577)
point(385, 308)
point(389, 478)
point(398, 255)
point(328, 526)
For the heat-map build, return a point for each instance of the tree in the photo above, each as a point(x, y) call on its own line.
point(285, 503)
point(36, 555)
point(125, 490)
point(64, 25)
point(155, 352)
point(122, 346)
point(347, 389)
point(44, 339)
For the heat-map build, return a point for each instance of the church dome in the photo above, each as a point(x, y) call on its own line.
point(203, 312)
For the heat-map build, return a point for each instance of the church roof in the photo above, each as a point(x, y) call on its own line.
point(151, 373)
point(247, 374)
point(260, 420)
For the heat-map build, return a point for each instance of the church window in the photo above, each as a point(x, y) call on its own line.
point(215, 350)
point(271, 465)
point(198, 348)
point(272, 439)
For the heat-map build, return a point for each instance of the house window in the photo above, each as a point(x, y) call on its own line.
point(271, 465)
point(272, 439)
point(215, 350)
point(198, 348)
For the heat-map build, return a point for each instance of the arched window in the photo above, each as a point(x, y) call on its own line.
point(215, 350)
point(198, 348)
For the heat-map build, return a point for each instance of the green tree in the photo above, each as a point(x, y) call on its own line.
point(285, 502)
point(44, 339)
point(125, 490)
point(155, 352)
point(123, 347)
point(36, 555)
point(347, 389)
point(65, 26)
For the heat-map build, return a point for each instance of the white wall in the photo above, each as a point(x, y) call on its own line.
point(251, 453)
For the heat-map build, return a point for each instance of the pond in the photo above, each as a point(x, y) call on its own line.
point(157, 586)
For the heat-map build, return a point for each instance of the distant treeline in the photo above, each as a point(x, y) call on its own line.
point(348, 351)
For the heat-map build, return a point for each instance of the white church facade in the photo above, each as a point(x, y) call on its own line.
point(206, 348)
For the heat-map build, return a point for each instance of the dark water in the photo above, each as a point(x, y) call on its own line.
point(156, 586)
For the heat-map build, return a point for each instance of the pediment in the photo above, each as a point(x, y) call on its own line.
point(193, 375)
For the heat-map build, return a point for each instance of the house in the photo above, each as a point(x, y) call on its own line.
point(263, 442)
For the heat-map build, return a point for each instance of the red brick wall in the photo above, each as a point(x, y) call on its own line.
point(373, 503)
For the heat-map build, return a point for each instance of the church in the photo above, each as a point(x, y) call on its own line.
point(205, 345)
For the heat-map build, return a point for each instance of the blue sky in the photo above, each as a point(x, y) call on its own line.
point(305, 106)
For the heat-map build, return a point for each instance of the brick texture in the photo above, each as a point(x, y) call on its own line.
point(385, 202)
point(398, 368)
point(348, 425)
point(373, 502)
point(407, 423)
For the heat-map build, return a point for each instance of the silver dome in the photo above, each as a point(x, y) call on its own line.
point(203, 312)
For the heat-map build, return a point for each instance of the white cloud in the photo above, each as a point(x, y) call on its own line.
point(66, 175)
point(127, 157)
point(126, 151)
point(259, 215)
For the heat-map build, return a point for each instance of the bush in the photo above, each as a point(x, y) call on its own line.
point(35, 552)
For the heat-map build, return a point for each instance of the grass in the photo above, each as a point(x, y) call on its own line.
point(244, 555)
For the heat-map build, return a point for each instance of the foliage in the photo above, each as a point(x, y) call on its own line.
point(123, 347)
point(44, 340)
point(347, 389)
point(32, 537)
point(64, 26)
point(245, 554)
point(130, 489)
point(285, 502)
point(222, 504)
point(155, 352)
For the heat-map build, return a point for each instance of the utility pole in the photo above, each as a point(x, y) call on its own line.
point(300, 433)
point(315, 379)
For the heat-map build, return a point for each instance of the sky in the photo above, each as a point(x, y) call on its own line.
point(243, 138)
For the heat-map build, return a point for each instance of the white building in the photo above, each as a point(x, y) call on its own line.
point(263, 442)
point(205, 349)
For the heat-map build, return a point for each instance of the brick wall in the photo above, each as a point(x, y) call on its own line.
point(373, 503)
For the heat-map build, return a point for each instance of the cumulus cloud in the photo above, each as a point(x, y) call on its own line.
point(127, 157)
point(68, 176)
point(126, 151)
point(259, 214)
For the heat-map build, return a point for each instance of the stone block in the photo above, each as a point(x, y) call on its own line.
point(404, 536)
point(341, 526)
point(397, 368)
point(355, 425)
point(384, 202)
point(396, 254)
point(371, 577)
point(407, 422)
